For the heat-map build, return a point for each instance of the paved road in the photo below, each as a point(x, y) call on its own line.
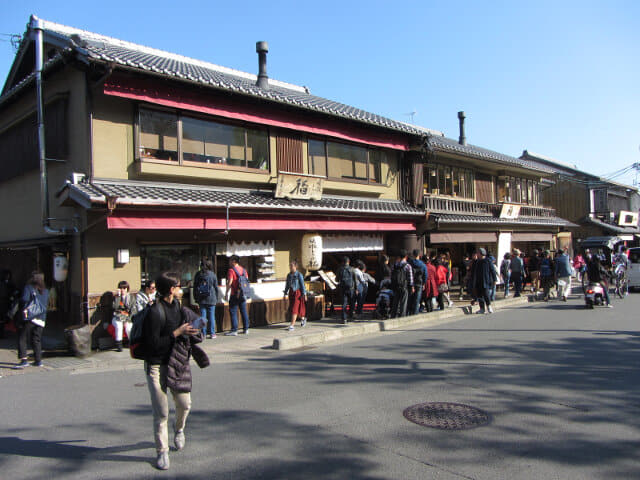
point(561, 384)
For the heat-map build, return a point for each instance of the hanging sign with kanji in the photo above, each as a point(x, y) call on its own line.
point(299, 187)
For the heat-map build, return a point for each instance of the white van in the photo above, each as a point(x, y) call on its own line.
point(634, 272)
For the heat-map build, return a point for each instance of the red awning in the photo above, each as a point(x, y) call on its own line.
point(173, 221)
point(224, 106)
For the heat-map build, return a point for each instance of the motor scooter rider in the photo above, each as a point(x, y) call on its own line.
point(598, 274)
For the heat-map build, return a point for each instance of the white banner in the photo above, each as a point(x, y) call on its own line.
point(352, 243)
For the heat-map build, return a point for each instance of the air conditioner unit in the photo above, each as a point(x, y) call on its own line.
point(628, 219)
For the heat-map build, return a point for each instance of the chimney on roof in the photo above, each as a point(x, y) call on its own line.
point(263, 80)
point(462, 140)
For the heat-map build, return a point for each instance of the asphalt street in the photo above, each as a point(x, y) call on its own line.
point(560, 384)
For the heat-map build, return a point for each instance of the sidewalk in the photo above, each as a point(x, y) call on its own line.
point(226, 349)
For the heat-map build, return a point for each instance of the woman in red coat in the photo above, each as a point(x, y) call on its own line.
point(442, 281)
point(430, 286)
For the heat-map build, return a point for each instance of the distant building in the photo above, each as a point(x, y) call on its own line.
point(599, 207)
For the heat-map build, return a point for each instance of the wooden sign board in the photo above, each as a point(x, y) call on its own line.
point(510, 211)
point(303, 187)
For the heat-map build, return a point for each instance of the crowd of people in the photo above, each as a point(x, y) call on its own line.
point(411, 284)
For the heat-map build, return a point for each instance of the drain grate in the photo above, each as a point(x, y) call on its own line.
point(446, 416)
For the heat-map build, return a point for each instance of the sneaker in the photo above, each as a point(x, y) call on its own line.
point(490, 308)
point(213, 335)
point(564, 298)
point(609, 306)
point(162, 461)
point(38, 364)
point(290, 328)
point(179, 440)
point(209, 335)
point(344, 321)
point(245, 332)
point(303, 322)
point(481, 311)
point(233, 333)
point(22, 364)
point(450, 304)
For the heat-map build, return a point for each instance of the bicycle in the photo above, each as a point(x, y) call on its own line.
point(621, 282)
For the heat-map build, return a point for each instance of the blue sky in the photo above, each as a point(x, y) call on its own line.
point(558, 78)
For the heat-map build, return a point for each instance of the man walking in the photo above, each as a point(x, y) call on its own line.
point(420, 276)
point(346, 279)
point(235, 296)
point(563, 274)
point(205, 293)
point(517, 272)
point(401, 284)
point(483, 281)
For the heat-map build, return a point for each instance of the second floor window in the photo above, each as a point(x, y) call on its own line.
point(519, 190)
point(344, 161)
point(202, 141)
point(446, 180)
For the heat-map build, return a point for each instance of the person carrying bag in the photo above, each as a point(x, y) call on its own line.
point(35, 298)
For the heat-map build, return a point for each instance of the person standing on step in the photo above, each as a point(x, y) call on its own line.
point(236, 297)
point(401, 284)
point(35, 298)
point(420, 276)
point(516, 268)
point(430, 286)
point(505, 273)
point(294, 287)
point(123, 305)
point(484, 280)
point(346, 280)
point(205, 293)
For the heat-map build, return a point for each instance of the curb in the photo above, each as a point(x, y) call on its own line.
point(354, 330)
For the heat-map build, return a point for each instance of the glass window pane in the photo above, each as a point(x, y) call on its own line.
point(158, 135)
point(441, 180)
point(193, 139)
point(339, 162)
point(317, 158)
point(455, 178)
point(433, 180)
point(376, 159)
point(257, 149)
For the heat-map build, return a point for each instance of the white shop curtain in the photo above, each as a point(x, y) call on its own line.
point(352, 243)
point(250, 249)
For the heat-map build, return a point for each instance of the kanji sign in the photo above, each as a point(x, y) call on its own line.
point(299, 187)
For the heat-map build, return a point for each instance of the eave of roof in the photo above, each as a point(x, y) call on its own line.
point(445, 144)
point(447, 218)
point(154, 194)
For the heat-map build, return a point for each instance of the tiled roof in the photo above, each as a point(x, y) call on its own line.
point(179, 195)
point(450, 145)
point(103, 49)
point(612, 228)
point(448, 218)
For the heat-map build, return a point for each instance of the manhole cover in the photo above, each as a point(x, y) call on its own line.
point(446, 416)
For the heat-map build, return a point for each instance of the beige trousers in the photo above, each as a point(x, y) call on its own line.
point(157, 383)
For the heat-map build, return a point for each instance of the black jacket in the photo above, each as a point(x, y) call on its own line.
point(159, 325)
point(484, 275)
point(178, 368)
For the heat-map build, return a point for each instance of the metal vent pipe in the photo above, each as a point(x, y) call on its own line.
point(462, 140)
point(262, 48)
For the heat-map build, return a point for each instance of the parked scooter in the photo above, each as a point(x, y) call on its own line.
point(594, 295)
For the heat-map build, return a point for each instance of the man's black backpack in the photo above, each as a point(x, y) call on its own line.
point(399, 277)
point(418, 274)
point(202, 289)
point(345, 278)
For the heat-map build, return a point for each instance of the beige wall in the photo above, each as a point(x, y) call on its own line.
point(22, 194)
point(114, 152)
point(103, 271)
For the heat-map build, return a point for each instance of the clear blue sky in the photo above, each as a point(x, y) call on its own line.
point(560, 78)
